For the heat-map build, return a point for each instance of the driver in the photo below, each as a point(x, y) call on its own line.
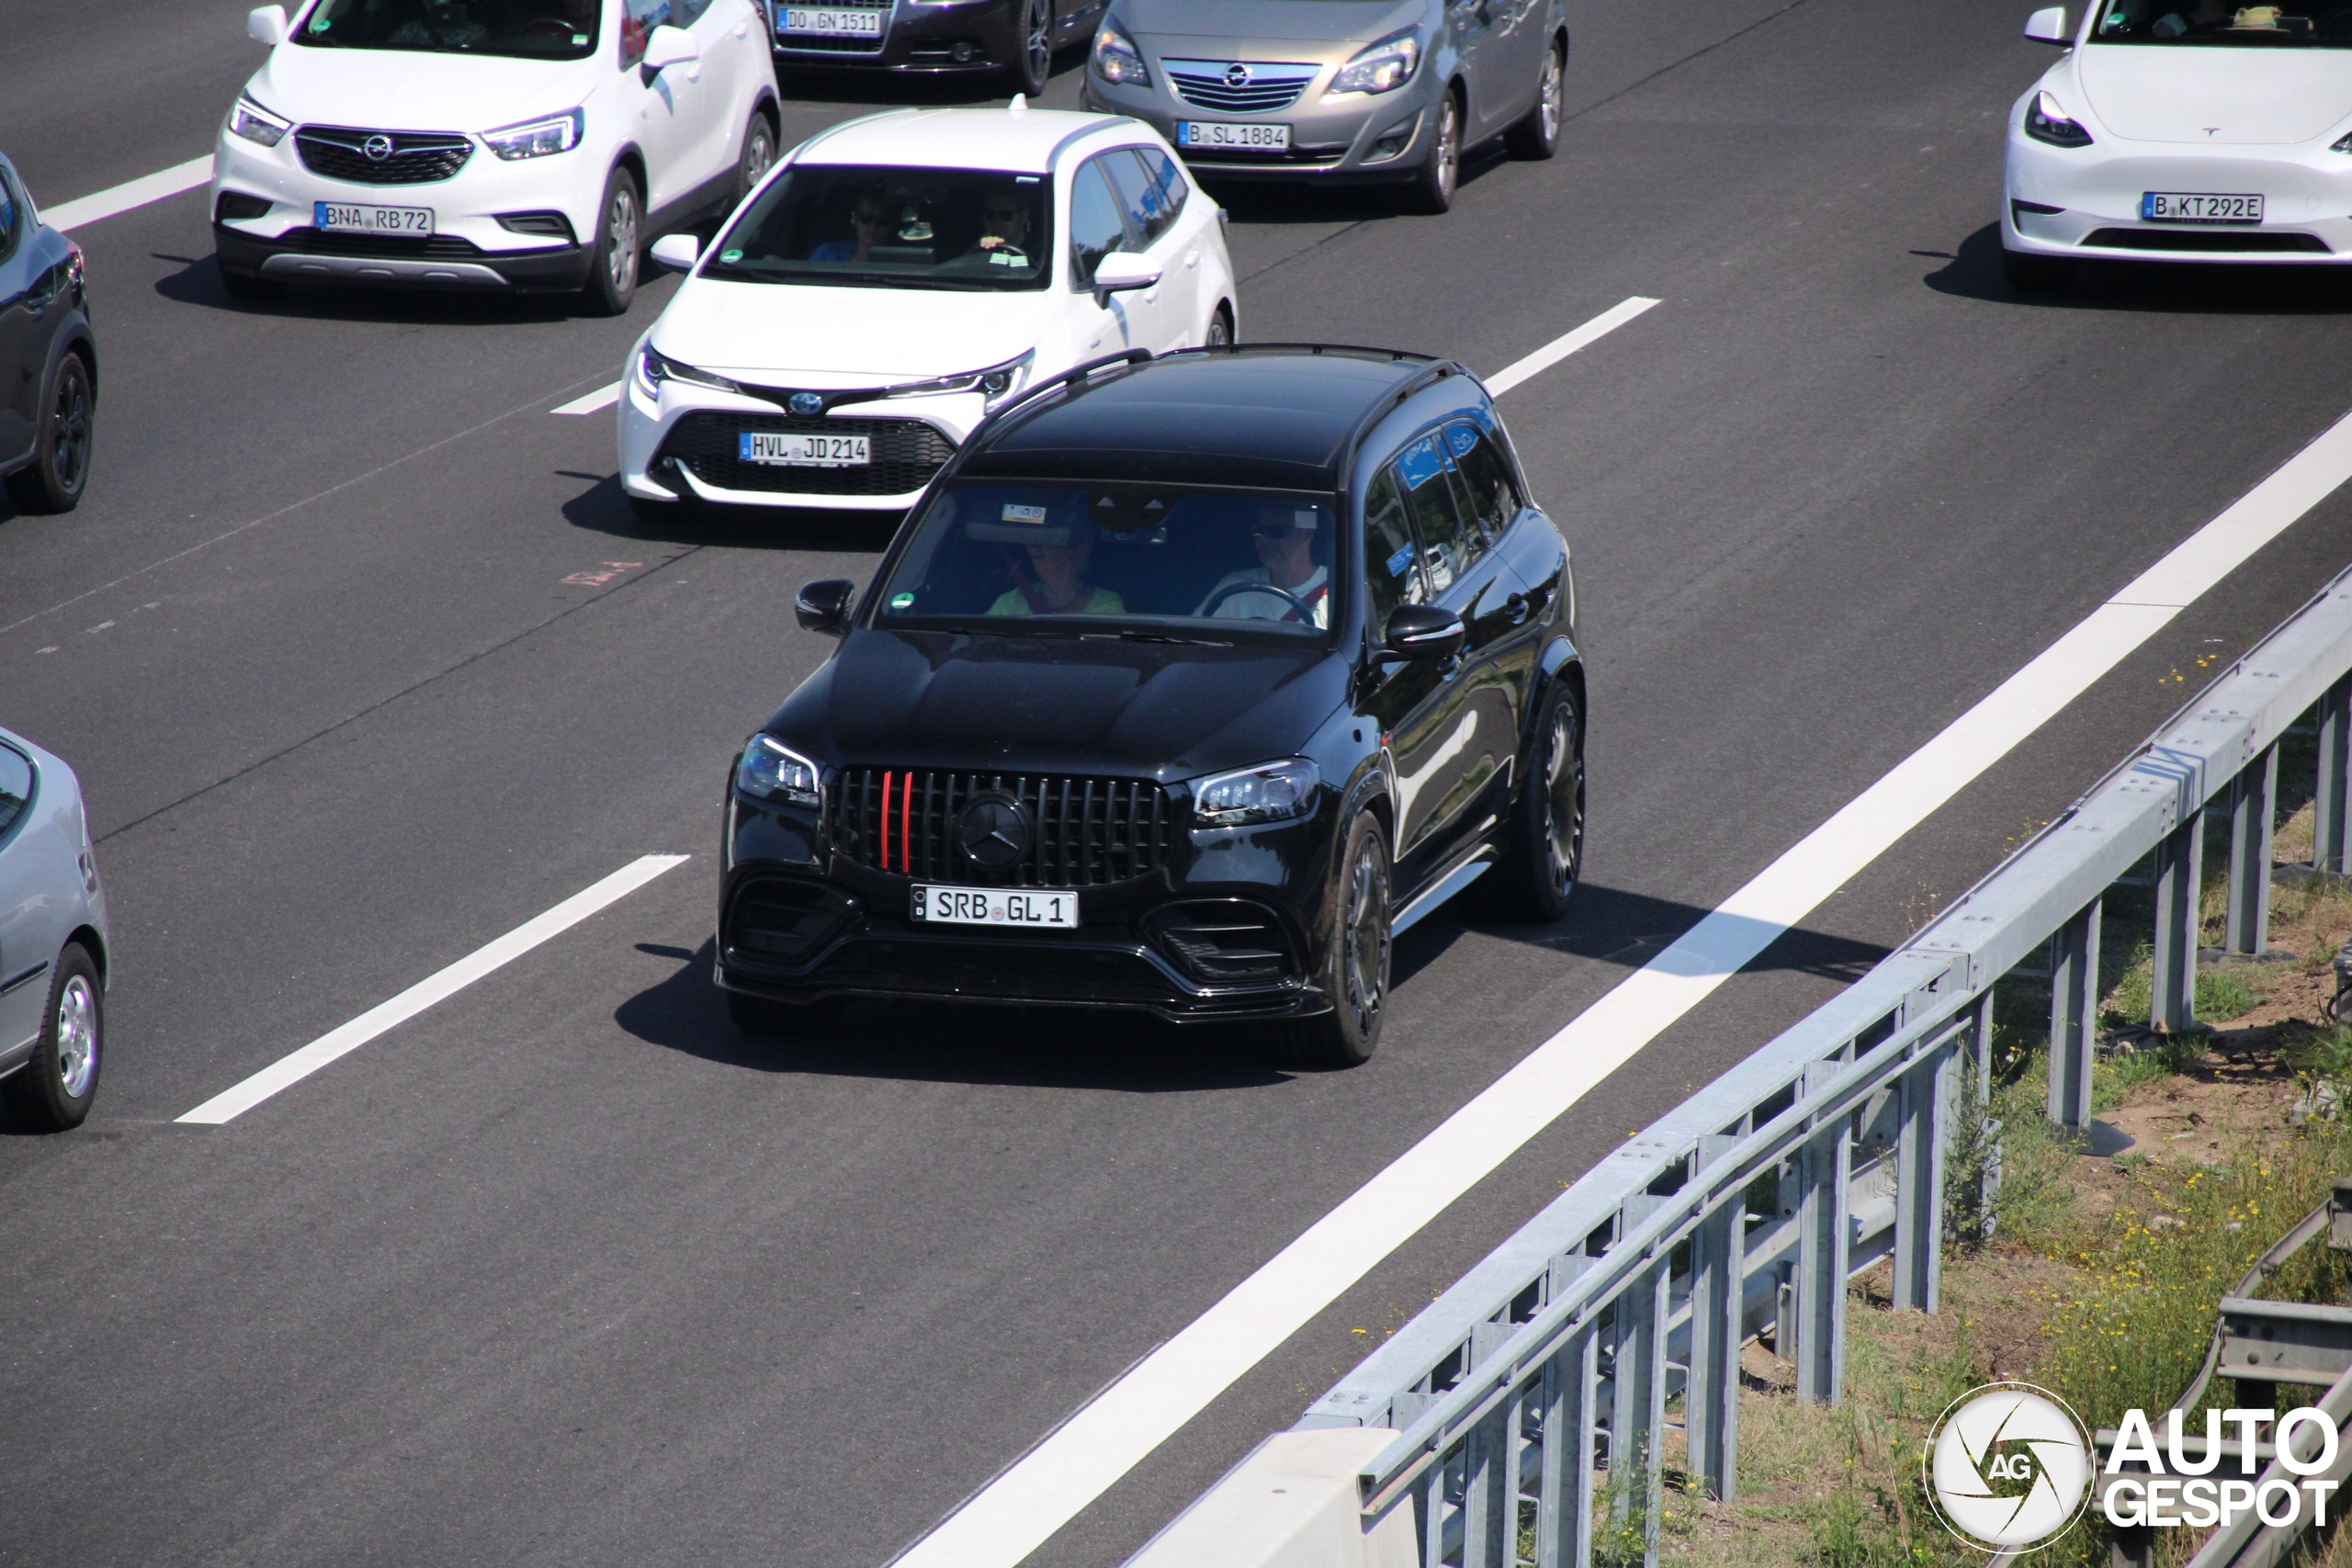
point(1061, 588)
point(1284, 536)
point(870, 219)
point(1004, 229)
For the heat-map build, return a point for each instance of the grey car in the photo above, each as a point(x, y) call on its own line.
point(1336, 91)
point(53, 947)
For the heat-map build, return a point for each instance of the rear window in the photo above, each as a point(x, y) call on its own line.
point(16, 788)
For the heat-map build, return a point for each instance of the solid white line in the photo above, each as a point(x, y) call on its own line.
point(294, 1066)
point(1560, 348)
point(1048, 1487)
point(123, 197)
point(599, 400)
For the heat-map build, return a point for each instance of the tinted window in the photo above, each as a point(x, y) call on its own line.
point(1095, 227)
point(891, 228)
point(16, 788)
point(1390, 578)
point(689, 12)
point(1150, 197)
point(1447, 546)
point(544, 30)
point(638, 18)
point(12, 212)
point(1492, 496)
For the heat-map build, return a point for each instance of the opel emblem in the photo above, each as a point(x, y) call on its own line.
point(806, 404)
point(1236, 75)
point(993, 831)
point(378, 147)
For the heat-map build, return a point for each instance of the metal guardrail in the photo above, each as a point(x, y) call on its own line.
point(1544, 1376)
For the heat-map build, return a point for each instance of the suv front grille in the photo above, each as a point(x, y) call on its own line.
point(830, 44)
point(416, 157)
point(906, 453)
point(327, 243)
point(1083, 832)
point(1209, 84)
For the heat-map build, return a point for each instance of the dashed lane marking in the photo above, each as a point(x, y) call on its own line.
point(603, 398)
point(1567, 342)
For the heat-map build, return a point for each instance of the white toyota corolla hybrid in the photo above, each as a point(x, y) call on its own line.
point(897, 277)
point(2183, 130)
point(504, 144)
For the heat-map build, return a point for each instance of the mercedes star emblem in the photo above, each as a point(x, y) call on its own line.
point(806, 404)
point(378, 147)
point(993, 831)
point(1236, 75)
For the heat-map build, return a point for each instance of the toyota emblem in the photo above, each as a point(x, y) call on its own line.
point(378, 147)
point(993, 831)
point(1236, 75)
point(806, 404)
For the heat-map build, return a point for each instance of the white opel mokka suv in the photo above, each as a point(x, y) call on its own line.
point(500, 144)
point(895, 279)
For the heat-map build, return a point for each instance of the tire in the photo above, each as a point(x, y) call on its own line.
point(765, 1020)
point(1544, 854)
point(1537, 136)
point(54, 479)
point(1434, 185)
point(1220, 333)
point(2034, 275)
point(53, 1091)
point(1028, 73)
point(758, 156)
point(245, 286)
point(620, 237)
point(1357, 960)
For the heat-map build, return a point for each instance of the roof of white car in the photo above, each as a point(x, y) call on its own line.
point(961, 139)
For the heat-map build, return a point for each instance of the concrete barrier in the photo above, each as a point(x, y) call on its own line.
point(1293, 1503)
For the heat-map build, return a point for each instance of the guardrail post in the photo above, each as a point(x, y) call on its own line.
point(2180, 864)
point(2332, 806)
point(2073, 1014)
point(1637, 1407)
point(1925, 1117)
point(1710, 1398)
point(1823, 1236)
point(1490, 1490)
point(2253, 802)
point(1564, 1509)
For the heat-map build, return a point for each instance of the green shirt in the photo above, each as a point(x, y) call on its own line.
point(1103, 602)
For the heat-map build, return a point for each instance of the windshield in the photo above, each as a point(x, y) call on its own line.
point(2327, 25)
point(964, 228)
point(538, 30)
point(1213, 562)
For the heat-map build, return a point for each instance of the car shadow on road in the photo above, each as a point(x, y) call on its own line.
point(602, 509)
point(1301, 201)
point(198, 282)
point(1029, 1047)
point(1974, 271)
point(880, 89)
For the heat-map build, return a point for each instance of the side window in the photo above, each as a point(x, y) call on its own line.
point(1151, 197)
point(1493, 497)
point(16, 788)
point(12, 216)
point(1448, 547)
point(1390, 578)
point(689, 12)
point(1095, 227)
point(638, 18)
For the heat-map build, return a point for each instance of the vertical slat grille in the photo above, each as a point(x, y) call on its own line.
point(1083, 831)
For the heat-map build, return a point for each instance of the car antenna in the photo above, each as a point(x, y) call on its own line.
point(1020, 105)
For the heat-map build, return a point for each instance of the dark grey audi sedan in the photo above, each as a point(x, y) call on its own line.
point(1190, 682)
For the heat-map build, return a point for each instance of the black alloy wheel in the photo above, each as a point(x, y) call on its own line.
point(1357, 970)
point(759, 155)
point(53, 1091)
point(59, 472)
point(1543, 852)
point(1537, 136)
point(1036, 62)
point(611, 270)
point(1434, 185)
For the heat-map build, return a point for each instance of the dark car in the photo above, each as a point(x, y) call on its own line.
point(1190, 682)
point(1014, 37)
point(49, 359)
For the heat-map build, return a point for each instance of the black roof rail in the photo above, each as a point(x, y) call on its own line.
point(1390, 354)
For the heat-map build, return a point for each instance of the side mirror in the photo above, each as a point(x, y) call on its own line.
point(677, 252)
point(1423, 632)
point(669, 46)
point(2048, 26)
point(824, 606)
point(266, 25)
point(1121, 271)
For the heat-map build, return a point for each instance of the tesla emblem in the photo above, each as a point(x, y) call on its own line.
point(806, 404)
point(1236, 75)
point(994, 832)
point(377, 148)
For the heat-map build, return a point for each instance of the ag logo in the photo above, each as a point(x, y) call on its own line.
point(2008, 1466)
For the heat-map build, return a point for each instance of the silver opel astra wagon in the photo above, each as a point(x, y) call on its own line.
point(1336, 91)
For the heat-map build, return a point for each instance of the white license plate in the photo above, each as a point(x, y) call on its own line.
point(827, 23)
point(995, 907)
point(2177, 207)
point(1225, 133)
point(341, 217)
point(798, 450)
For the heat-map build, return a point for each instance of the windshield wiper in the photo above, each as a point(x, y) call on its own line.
point(1166, 636)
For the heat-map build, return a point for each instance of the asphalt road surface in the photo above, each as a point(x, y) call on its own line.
point(363, 663)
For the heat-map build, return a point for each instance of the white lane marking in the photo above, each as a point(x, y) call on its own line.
point(1560, 348)
point(134, 193)
point(295, 1066)
point(599, 400)
point(1047, 1488)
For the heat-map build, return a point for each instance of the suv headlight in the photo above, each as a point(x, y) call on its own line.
point(653, 368)
point(1116, 58)
point(538, 138)
point(1382, 67)
point(255, 123)
point(772, 771)
point(996, 382)
point(2046, 121)
point(1270, 792)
